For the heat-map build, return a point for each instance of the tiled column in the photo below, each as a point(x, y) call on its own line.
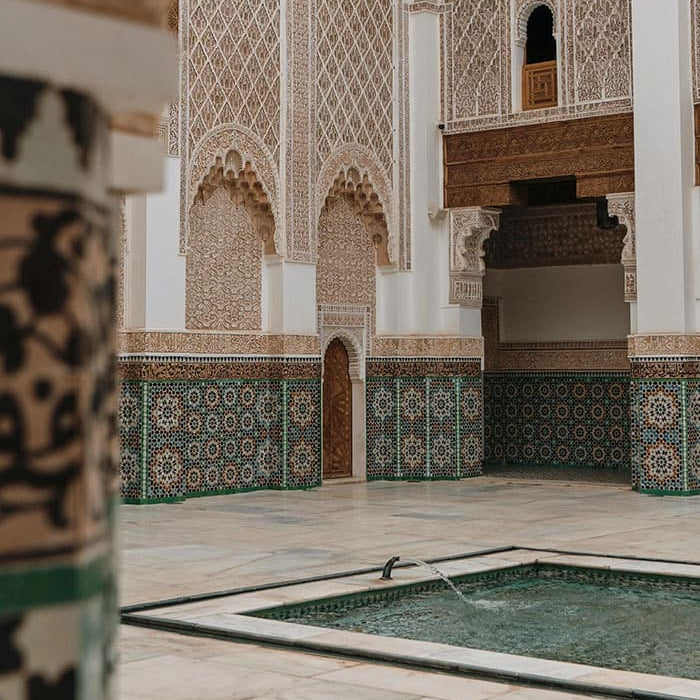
point(57, 435)
point(665, 400)
point(664, 344)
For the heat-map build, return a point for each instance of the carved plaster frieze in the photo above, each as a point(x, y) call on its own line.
point(469, 229)
point(664, 345)
point(435, 7)
point(208, 343)
point(622, 206)
point(427, 346)
point(123, 253)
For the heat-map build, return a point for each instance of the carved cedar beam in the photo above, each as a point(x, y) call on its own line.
point(482, 167)
point(469, 229)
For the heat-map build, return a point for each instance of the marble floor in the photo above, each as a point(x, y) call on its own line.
point(226, 542)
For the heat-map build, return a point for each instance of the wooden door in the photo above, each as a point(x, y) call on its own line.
point(337, 413)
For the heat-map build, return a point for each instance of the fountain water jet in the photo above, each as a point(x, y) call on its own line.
point(386, 573)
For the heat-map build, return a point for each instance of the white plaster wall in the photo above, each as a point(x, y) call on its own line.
point(165, 268)
point(299, 298)
point(135, 262)
point(417, 302)
point(405, 300)
point(577, 302)
point(664, 170)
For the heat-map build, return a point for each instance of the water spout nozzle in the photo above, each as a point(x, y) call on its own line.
point(386, 572)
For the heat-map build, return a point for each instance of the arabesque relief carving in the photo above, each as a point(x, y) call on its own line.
point(354, 78)
point(622, 206)
point(353, 167)
point(594, 41)
point(346, 269)
point(469, 229)
point(232, 149)
point(224, 265)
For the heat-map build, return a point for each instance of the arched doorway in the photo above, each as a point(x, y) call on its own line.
point(337, 412)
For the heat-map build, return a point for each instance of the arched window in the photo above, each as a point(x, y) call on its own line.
point(541, 46)
point(540, 68)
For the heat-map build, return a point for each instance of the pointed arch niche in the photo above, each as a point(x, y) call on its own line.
point(352, 242)
point(232, 228)
point(536, 54)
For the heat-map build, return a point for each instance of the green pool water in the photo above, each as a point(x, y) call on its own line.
point(630, 622)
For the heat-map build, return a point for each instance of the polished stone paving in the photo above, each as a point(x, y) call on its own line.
point(227, 542)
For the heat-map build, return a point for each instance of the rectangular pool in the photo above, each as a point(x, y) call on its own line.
point(632, 621)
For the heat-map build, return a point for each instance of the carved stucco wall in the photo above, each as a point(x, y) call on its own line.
point(224, 267)
point(338, 74)
point(479, 40)
point(354, 119)
point(233, 66)
point(346, 263)
point(354, 64)
point(229, 92)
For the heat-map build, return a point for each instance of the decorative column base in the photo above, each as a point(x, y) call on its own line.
point(665, 405)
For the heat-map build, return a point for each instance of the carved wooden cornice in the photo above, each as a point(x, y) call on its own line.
point(480, 167)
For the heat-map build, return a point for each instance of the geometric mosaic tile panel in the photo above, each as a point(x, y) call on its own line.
point(187, 438)
point(130, 422)
point(692, 409)
point(424, 427)
point(666, 434)
point(558, 419)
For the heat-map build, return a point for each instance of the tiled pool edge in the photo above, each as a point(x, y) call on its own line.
point(464, 661)
point(554, 570)
point(552, 675)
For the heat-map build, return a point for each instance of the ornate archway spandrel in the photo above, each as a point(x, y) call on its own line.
point(232, 149)
point(355, 174)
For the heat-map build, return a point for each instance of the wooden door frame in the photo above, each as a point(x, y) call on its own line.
point(357, 381)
